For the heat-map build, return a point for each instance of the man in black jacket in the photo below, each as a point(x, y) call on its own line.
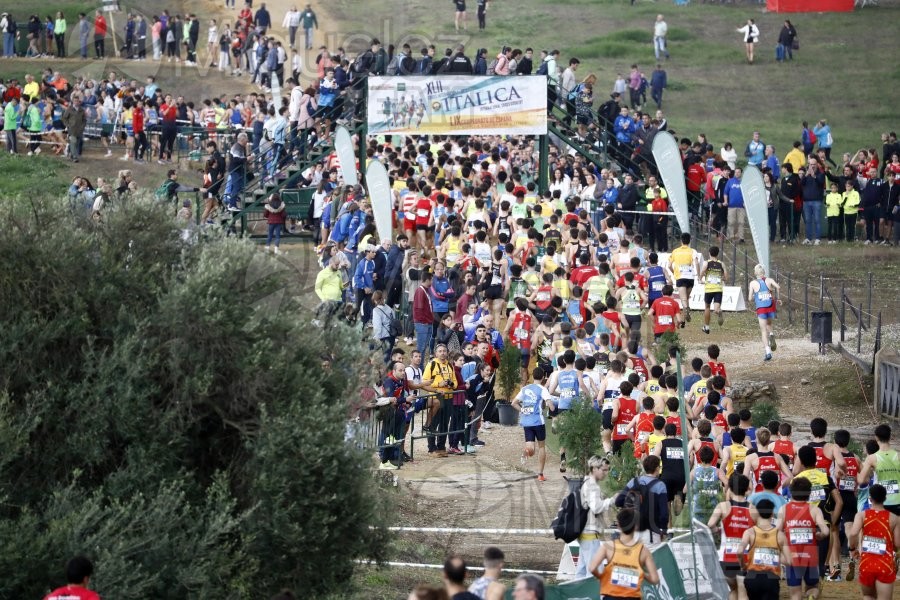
point(525, 64)
point(628, 199)
point(393, 274)
point(459, 63)
point(790, 187)
point(893, 212)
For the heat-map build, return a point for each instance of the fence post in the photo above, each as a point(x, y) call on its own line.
point(843, 311)
point(806, 302)
point(790, 301)
point(821, 292)
point(869, 318)
point(733, 263)
point(877, 342)
point(859, 330)
point(746, 277)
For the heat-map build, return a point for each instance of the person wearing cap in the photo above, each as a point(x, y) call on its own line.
point(364, 283)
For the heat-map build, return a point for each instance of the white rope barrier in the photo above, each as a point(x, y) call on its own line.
point(431, 566)
point(496, 531)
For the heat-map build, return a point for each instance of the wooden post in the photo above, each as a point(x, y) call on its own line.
point(806, 301)
point(821, 292)
point(877, 342)
point(790, 301)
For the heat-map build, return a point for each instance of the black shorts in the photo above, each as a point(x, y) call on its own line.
point(761, 585)
point(607, 419)
point(617, 445)
point(493, 292)
point(536, 432)
point(894, 508)
point(731, 569)
point(712, 298)
point(684, 283)
point(674, 488)
point(557, 412)
point(848, 512)
point(421, 227)
point(634, 322)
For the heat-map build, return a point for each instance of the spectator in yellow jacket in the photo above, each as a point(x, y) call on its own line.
point(795, 157)
point(834, 201)
point(851, 208)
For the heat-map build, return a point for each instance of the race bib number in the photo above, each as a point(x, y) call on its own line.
point(713, 279)
point(848, 484)
point(527, 410)
point(568, 393)
point(686, 271)
point(892, 487)
point(642, 436)
point(625, 577)
point(422, 212)
point(765, 296)
point(657, 286)
point(665, 319)
point(632, 305)
point(817, 494)
point(801, 535)
point(621, 428)
point(731, 545)
point(521, 333)
point(675, 453)
point(607, 404)
point(766, 557)
point(874, 545)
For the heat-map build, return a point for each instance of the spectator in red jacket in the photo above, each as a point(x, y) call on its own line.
point(423, 316)
point(100, 34)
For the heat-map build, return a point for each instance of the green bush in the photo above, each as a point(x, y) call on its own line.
point(763, 412)
point(579, 433)
point(623, 467)
point(509, 374)
point(160, 413)
point(668, 340)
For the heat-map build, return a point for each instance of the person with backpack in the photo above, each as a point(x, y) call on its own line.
point(628, 562)
point(648, 500)
point(592, 499)
point(168, 190)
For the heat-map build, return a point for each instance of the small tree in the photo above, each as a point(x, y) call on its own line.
point(579, 433)
point(623, 467)
point(508, 374)
point(668, 340)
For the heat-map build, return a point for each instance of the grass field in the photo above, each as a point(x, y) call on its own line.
point(835, 75)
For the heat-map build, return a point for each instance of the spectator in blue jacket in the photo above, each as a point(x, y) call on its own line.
point(658, 83)
point(737, 215)
point(823, 132)
point(393, 271)
point(813, 186)
point(364, 283)
point(806, 138)
point(772, 163)
point(441, 292)
point(654, 523)
point(755, 151)
point(624, 127)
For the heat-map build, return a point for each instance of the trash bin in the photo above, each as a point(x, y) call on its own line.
point(820, 328)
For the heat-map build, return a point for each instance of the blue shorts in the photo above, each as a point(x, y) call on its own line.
point(809, 575)
point(536, 432)
point(770, 315)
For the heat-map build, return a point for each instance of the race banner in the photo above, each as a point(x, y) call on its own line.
point(670, 585)
point(580, 589)
point(699, 564)
point(757, 206)
point(668, 161)
point(380, 192)
point(343, 145)
point(457, 105)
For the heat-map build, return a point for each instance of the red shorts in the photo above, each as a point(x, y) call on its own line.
point(409, 225)
point(868, 578)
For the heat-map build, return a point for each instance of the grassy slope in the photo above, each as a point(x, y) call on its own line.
point(712, 90)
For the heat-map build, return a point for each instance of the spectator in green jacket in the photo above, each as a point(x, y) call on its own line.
point(10, 124)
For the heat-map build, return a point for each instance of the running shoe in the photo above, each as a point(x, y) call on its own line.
point(562, 465)
point(705, 329)
point(455, 451)
point(851, 569)
point(553, 425)
point(768, 356)
point(541, 477)
point(721, 319)
point(834, 575)
point(387, 466)
point(407, 457)
point(471, 449)
point(478, 443)
point(688, 313)
point(772, 342)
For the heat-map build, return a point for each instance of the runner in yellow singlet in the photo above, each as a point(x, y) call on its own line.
point(713, 277)
point(683, 263)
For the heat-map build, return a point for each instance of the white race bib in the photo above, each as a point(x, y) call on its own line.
point(625, 577)
point(686, 271)
point(765, 296)
point(675, 453)
point(817, 494)
point(731, 545)
point(874, 545)
point(766, 557)
point(848, 484)
point(801, 535)
point(657, 286)
point(422, 212)
point(664, 319)
point(621, 428)
point(713, 279)
point(527, 410)
point(892, 487)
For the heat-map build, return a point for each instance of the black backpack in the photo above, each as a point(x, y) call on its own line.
point(542, 70)
point(637, 498)
point(570, 518)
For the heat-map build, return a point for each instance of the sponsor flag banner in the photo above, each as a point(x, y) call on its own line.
point(700, 563)
point(668, 160)
point(757, 206)
point(380, 192)
point(580, 589)
point(670, 587)
point(343, 146)
point(457, 105)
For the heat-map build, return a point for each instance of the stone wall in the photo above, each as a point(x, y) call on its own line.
point(744, 394)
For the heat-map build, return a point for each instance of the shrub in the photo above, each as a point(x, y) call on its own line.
point(668, 340)
point(763, 412)
point(579, 433)
point(509, 374)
